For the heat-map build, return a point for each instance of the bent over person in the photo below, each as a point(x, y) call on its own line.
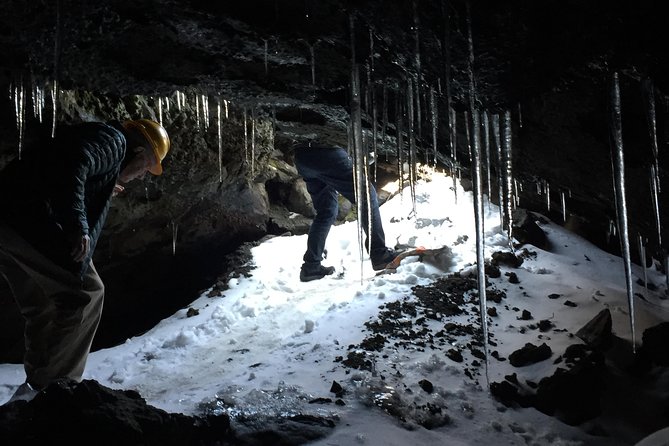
point(328, 171)
point(54, 202)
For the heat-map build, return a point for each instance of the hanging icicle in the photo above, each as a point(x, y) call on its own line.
point(197, 112)
point(253, 141)
point(434, 119)
point(642, 260)
point(384, 121)
point(399, 115)
point(18, 96)
point(246, 137)
point(220, 142)
point(312, 58)
point(648, 91)
point(475, 147)
point(175, 230)
point(412, 145)
point(618, 160)
point(500, 171)
point(486, 148)
point(361, 190)
point(266, 57)
point(507, 159)
point(374, 155)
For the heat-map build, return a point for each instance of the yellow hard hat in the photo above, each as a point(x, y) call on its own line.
point(156, 135)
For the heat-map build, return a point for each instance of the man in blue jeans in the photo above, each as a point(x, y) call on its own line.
point(328, 170)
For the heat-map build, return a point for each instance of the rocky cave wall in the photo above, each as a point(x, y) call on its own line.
point(282, 68)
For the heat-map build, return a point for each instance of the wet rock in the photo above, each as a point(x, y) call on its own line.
point(73, 411)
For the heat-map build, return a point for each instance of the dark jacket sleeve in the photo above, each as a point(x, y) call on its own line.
point(62, 186)
point(91, 158)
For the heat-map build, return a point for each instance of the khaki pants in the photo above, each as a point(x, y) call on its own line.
point(61, 312)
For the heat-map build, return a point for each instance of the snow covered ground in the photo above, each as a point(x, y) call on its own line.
point(270, 346)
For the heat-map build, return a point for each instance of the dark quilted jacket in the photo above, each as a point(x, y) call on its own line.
point(62, 186)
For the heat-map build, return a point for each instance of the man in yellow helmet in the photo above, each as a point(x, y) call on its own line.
point(54, 202)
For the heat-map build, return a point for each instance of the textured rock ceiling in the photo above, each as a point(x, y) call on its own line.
point(260, 49)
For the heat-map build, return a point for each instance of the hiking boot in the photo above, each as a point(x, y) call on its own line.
point(309, 274)
point(381, 262)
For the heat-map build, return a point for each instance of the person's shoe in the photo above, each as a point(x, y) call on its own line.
point(24, 392)
point(381, 262)
point(309, 274)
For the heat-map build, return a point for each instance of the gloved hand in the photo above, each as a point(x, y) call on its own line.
point(81, 245)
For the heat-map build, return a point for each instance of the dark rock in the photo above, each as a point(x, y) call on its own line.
point(526, 230)
point(506, 258)
point(426, 385)
point(530, 354)
point(597, 332)
point(81, 413)
point(654, 344)
point(513, 277)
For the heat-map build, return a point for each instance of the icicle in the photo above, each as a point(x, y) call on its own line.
point(454, 150)
point(416, 32)
point(384, 121)
point(500, 168)
point(20, 111)
point(642, 259)
point(508, 175)
point(520, 117)
point(167, 104)
point(655, 189)
point(516, 195)
point(160, 111)
point(467, 135)
point(412, 145)
point(419, 117)
point(366, 96)
point(475, 157)
point(371, 50)
point(246, 139)
point(205, 110)
point(547, 187)
point(358, 159)
point(564, 206)
point(38, 102)
point(611, 232)
point(197, 112)
point(434, 120)
point(399, 112)
point(648, 90)
point(54, 106)
point(621, 204)
point(227, 115)
point(486, 147)
point(253, 141)
point(266, 57)
point(375, 154)
point(480, 235)
point(220, 142)
point(175, 229)
point(312, 54)
point(56, 63)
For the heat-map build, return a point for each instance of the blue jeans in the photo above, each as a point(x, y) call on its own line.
point(326, 172)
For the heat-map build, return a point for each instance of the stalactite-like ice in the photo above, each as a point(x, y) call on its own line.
point(618, 161)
